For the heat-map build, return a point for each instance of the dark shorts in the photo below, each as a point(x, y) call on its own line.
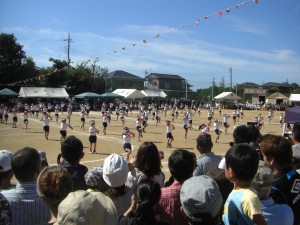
point(172, 114)
point(88, 111)
point(185, 127)
point(209, 118)
point(104, 124)
point(25, 121)
point(169, 136)
point(138, 128)
point(127, 146)
point(108, 117)
point(15, 119)
point(56, 115)
point(157, 118)
point(234, 117)
point(46, 128)
point(117, 113)
point(63, 133)
point(217, 131)
point(226, 125)
point(82, 120)
point(5, 116)
point(92, 138)
point(190, 121)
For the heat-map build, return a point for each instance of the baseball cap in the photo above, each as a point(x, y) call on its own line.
point(5, 160)
point(200, 195)
point(92, 121)
point(115, 170)
point(262, 181)
point(204, 140)
point(94, 176)
point(86, 208)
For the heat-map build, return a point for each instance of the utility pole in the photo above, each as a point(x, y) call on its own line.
point(230, 72)
point(69, 40)
point(186, 86)
point(212, 88)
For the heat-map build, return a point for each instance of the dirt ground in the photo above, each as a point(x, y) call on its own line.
point(14, 139)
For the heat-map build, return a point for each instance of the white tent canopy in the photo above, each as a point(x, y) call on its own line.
point(42, 92)
point(294, 98)
point(154, 93)
point(228, 95)
point(129, 93)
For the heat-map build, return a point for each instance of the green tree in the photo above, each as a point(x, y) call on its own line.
point(12, 58)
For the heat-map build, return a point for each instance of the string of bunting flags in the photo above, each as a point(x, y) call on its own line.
point(39, 77)
point(145, 41)
point(196, 22)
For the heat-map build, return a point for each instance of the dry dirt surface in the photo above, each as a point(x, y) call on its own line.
point(14, 139)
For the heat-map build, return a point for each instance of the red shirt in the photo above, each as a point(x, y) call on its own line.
point(168, 208)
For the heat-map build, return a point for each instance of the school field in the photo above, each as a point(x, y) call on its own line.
point(14, 139)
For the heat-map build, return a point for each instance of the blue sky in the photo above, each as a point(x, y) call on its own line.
point(261, 42)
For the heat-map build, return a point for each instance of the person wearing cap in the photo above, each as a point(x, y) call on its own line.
point(115, 173)
point(234, 117)
point(71, 154)
point(82, 119)
point(169, 128)
point(138, 127)
point(69, 114)
point(225, 122)
point(25, 119)
point(93, 130)
point(208, 160)
point(23, 199)
point(86, 208)
point(63, 129)
point(53, 185)
point(217, 129)
point(201, 201)
point(242, 205)
point(181, 165)
point(94, 180)
point(46, 120)
point(185, 124)
point(296, 144)
point(277, 152)
point(275, 214)
point(56, 112)
point(126, 136)
point(14, 117)
point(104, 122)
point(281, 118)
point(6, 172)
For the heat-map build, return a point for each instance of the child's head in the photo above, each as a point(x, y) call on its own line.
point(92, 123)
point(72, 149)
point(242, 161)
point(63, 120)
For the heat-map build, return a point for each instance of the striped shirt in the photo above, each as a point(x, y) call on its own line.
point(26, 206)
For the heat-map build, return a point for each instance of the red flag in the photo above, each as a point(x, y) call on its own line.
point(197, 22)
point(220, 13)
point(206, 17)
point(227, 10)
point(256, 1)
